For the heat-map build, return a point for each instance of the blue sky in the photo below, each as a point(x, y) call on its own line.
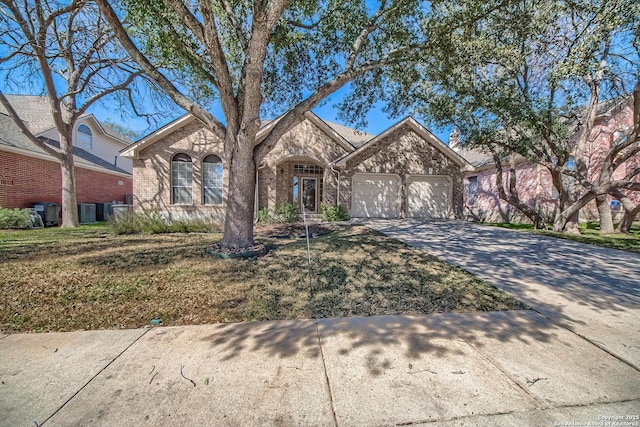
point(377, 121)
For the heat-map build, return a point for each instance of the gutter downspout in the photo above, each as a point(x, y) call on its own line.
point(337, 172)
point(255, 204)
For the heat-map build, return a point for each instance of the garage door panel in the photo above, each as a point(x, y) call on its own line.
point(375, 196)
point(428, 197)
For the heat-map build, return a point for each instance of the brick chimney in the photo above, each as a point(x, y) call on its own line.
point(454, 140)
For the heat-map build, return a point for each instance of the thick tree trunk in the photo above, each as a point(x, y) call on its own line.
point(69, 199)
point(604, 212)
point(512, 198)
point(567, 220)
point(630, 211)
point(238, 224)
point(627, 220)
point(571, 226)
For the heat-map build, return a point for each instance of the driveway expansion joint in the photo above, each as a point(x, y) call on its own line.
point(539, 403)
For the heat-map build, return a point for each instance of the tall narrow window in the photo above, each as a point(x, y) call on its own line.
point(181, 179)
point(473, 190)
point(84, 137)
point(212, 180)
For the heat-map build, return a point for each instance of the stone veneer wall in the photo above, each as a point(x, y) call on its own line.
point(304, 143)
point(404, 153)
point(152, 174)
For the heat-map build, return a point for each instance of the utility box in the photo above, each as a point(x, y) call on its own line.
point(49, 212)
point(103, 211)
point(121, 210)
point(86, 213)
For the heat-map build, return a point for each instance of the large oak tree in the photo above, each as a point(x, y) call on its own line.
point(529, 81)
point(258, 56)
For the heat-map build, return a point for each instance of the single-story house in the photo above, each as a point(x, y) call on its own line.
point(28, 174)
point(405, 171)
point(534, 183)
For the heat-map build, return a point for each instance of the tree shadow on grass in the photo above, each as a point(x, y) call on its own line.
point(421, 284)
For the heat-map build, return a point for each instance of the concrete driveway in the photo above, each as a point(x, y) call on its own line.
point(592, 291)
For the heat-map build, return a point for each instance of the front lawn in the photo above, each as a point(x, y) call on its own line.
point(88, 278)
point(590, 234)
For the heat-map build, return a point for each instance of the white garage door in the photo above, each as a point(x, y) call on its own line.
point(428, 197)
point(375, 196)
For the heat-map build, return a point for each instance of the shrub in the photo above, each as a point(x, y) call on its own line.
point(153, 222)
point(287, 213)
point(124, 223)
point(265, 215)
point(15, 218)
point(282, 214)
point(333, 212)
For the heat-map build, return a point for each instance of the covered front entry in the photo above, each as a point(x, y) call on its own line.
point(301, 182)
point(375, 195)
point(428, 197)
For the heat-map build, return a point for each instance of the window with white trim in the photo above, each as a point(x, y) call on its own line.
point(181, 179)
point(84, 137)
point(212, 180)
point(473, 190)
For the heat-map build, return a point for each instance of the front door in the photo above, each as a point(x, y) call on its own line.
point(306, 194)
point(309, 194)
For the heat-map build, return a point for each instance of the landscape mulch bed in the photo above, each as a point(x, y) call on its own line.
point(295, 230)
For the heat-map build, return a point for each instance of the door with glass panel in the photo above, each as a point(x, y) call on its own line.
point(305, 192)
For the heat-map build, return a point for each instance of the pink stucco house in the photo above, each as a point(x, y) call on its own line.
point(535, 187)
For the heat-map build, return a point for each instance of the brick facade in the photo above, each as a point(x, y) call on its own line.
point(534, 183)
point(305, 143)
point(534, 188)
point(25, 179)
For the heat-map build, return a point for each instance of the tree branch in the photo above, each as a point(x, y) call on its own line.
point(173, 92)
point(233, 20)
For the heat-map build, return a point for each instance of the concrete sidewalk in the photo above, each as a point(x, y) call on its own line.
point(487, 369)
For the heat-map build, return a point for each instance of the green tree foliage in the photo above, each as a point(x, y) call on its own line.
point(525, 78)
point(279, 58)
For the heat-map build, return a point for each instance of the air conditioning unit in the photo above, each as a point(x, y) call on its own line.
point(103, 211)
point(86, 213)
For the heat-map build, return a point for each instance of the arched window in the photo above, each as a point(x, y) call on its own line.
point(181, 179)
point(85, 137)
point(212, 180)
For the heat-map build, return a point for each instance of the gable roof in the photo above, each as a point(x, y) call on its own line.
point(356, 137)
point(332, 130)
point(35, 112)
point(417, 128)
point(134, 149)
point(13, 140)
point(338, 135)
point(476, 158)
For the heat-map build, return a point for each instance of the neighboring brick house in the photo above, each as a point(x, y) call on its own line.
point(534, 183)
point(28, 174)
point(404, 172)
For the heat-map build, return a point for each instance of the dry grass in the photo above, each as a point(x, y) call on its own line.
point(90, 279)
